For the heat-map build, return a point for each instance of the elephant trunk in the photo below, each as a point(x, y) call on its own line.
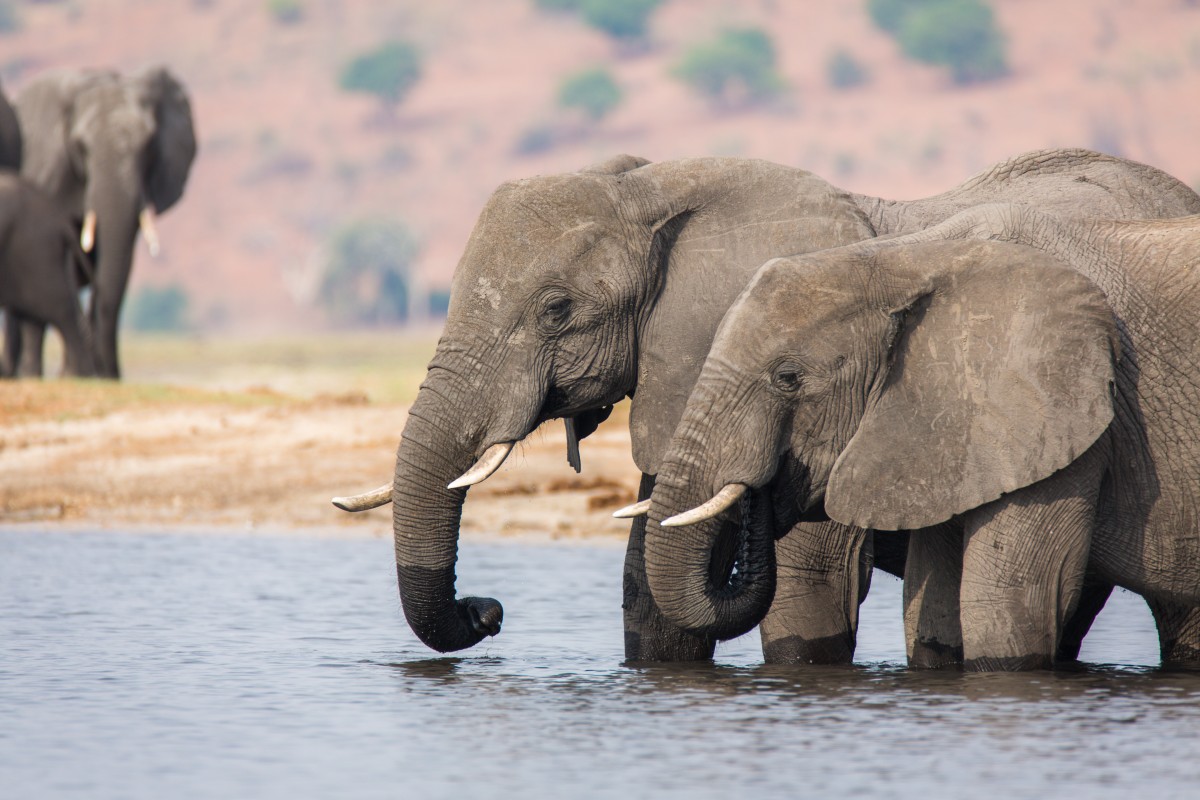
point(117, 202)
point(425, 520)
point(714, 578)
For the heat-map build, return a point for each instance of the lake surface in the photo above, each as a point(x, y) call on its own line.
point(223, 666)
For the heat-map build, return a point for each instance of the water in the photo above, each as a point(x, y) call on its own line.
point(155, 666)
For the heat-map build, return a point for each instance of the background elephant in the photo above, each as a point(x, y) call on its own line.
point(1022, 402)
point(577, 290)
point(10, 135)
point(112, 151)
point(41, 267)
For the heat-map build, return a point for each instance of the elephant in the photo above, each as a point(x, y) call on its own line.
point(1015, 388)
point(41, 268)
point(113, 151)
point(10, 135)
point(579, 289)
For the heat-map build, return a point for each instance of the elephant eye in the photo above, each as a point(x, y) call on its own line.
point(787, 378)
point(556, 310)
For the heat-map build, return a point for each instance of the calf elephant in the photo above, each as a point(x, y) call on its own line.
point(577, 290)
point(1023, 406)
point(10, 135)
point(41, 268)
point(112, 151)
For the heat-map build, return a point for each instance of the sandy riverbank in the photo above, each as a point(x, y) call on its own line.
point(93, 454)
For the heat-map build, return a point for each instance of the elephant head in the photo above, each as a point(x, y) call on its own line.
point(574, 291)
point(893, 384)
point(113, 151)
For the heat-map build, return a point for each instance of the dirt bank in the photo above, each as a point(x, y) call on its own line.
point(81, 453)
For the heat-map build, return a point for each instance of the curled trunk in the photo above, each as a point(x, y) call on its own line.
point(425, 521)
point(715, 578)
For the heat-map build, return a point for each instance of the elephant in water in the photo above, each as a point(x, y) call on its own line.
point(113, 151)
point(1017, 389)
point(577, 290)
point(10, 135)
point(41, 269)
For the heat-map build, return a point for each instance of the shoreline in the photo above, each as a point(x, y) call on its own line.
point(77, 455)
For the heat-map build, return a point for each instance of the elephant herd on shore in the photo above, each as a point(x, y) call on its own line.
point(88, 158)
point(993, 393)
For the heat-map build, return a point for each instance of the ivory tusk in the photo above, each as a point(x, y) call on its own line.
point(488, 463)
point(87, 237)
point(146, 223)
point(639, 509)
point(368, 500)
point(723, 500)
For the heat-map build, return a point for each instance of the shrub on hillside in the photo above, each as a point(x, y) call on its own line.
point(388, 72)
point(843, 71)
point(161, 310)
point(738, 64)
point(366, 276)
point(959, 34)
point(592, 91)
point(10, 22)
point(620, 19)
point(285, 12)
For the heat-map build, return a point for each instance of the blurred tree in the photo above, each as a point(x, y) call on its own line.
point(959, 34)
point(738, 65)
point(620, 19)
point(286, 12)
point(593, 91)
point(158, 309)
point(10, 22)
point(388, 72)
point(843, 70)
point(439, 302)
point(366, 279)
point(889, 14)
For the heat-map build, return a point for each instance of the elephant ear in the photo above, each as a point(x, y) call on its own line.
point(1001, 373)
point(175, 141)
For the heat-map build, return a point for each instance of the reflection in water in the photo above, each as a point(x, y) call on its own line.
point(178, 666)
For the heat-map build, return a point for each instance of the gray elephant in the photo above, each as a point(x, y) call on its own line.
point(113, 151)
point(10, 135)
point(577, 290)
point(1023, 406)
point(41, 269)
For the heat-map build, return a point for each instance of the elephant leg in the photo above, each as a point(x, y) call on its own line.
point(648, 634)
point(823, 572)
point(1024, 558)
point(1091, 602)
point(932, 585)
point(33, 334)
point(1178, 633)
point(12, 345)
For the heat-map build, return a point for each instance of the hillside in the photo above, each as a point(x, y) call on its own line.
point(286, 156)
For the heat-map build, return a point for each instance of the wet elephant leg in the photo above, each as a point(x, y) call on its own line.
point(648, 635)
point(932, 585)
point(1091, 602)
point(1178, 634)
point(823, 571)
point(1024, 558)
